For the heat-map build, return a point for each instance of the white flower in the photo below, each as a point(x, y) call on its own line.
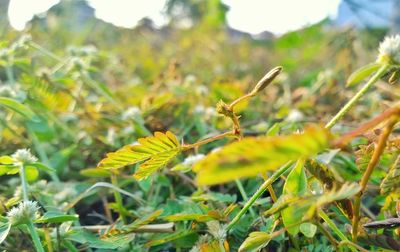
point(24, 156)
point(190, 160)
point(131, 113)
point(7, 91)
point(389, 50)
point(26, 211)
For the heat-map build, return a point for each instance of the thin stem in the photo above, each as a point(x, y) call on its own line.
point(326, 233)
point(334, 228)
point(238, 100)
point(380, 147)
point(350, 104)
point(244, 195)
point(24, 184)
point(45, 51)
point(259, 192)
point(208, 140)
point(35, 236)
point(118, 199)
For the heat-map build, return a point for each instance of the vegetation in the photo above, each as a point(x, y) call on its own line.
point(167, 139)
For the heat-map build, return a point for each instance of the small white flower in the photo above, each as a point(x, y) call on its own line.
point(190, 160)
point(7, 91)
point(23, 213)
point(389, 50)
point(131, 113)
point(24, 156)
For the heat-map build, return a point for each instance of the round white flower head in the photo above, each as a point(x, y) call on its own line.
point(23, 156)
point(191, 160)
point(389, 50)
point(23, 213)
point(131, 113)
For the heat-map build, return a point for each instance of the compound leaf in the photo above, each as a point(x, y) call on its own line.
point(156, 151)
point(253, 155)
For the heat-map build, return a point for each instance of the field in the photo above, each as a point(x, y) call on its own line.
point(198, 139)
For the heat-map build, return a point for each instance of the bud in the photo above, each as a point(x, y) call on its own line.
point(223, 108)
point(267, 79)
point(25, 212)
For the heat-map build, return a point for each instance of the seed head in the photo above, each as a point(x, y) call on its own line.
point(389, 50)
point(23, 156)
point(267, 79)
point(23, 213)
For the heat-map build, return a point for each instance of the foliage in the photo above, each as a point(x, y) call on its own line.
point(248, 166)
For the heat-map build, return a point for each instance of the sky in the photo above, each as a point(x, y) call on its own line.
point(253, 16)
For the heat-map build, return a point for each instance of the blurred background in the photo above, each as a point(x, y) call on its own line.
point(102, 73)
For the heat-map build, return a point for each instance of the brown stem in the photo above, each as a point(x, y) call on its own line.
point(367, 126)
point(238, 100)
point(208, 140)
point(380, 147)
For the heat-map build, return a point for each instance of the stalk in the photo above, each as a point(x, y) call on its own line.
point(24, 184)
point(259, 192)
point(350, 104)
point(35, 236)
point(118, 198)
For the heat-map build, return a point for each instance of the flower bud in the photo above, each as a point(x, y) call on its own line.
point(267, 79)
point(23, 213)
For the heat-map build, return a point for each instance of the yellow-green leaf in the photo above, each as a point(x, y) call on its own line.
point(253, 155)
point(295, 185)
point(255, 242)
point(95, 173)
point(362, 73)
point(156, 151)
point(17, 107)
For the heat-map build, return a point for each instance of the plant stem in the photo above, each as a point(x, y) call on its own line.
point(24, 184)
point(45, 51)
point(334, 228)
point(35, 237)
point(244, 195)
point(259, 192)
point(118, 198)
point(380, 147)
point(208, 140)
point(350, 104)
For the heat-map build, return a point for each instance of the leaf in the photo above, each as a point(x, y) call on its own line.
point(7, 160)
point(4, 230)
point(392, 180)
point(362, 73)
point(156, 151)
point(295, 185)
point(308, 229)
point(168, 238)
point(363, 155)
point(42, 167)
point(111, 243)
point(252, 155)
point(388, 223)
point(126, 229)
point(17, 107)
point(57, 217)
point(255, 242)
point(185, 217)
point(31, 173)
point(95, 173)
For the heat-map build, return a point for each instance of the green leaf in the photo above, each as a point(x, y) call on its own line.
point(252, 155)
point(42, 167)
point(4, 230)
point(255, 242)
point(31, 173)
point(126, 229)
point(111, 243)
point(156, 151)
point(57, 217)
point(185, 217)
point(308, 229)
point(7, 160)
point(392, 180)
point(362, 73)
point(95, 173)
point(295, 185)
point(17, 107)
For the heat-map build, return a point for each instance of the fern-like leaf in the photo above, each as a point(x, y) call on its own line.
point(157, 151)
point(392, 180)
